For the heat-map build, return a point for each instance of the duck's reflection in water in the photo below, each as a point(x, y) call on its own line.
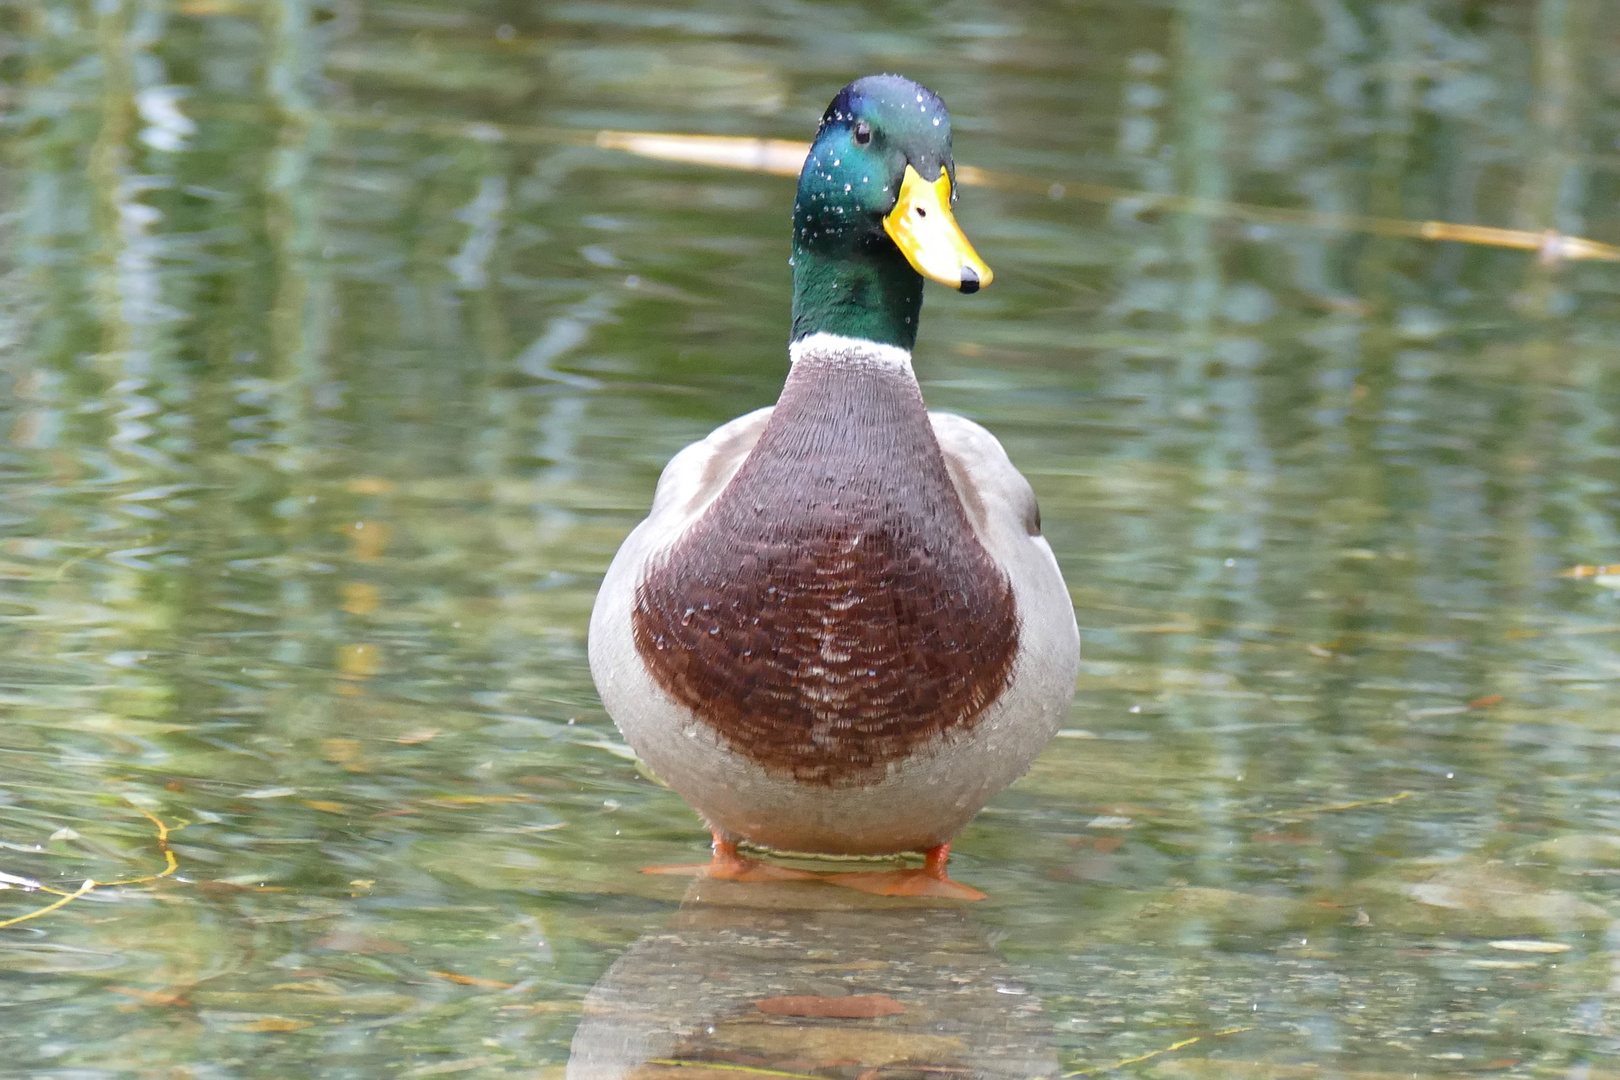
point(802, 978)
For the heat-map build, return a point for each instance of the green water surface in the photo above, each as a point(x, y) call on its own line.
point(336, 360)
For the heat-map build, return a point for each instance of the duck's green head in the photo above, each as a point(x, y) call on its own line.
point(873, 216)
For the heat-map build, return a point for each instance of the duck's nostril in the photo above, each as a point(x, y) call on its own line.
point(970, 280)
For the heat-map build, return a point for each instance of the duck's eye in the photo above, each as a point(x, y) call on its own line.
point(863, 133)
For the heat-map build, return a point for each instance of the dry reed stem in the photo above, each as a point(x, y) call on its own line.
point(782, 157)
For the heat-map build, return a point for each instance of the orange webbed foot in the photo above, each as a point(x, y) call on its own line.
point(727, 865)
point(906, 883)
point(741, 870)
point(931, 880)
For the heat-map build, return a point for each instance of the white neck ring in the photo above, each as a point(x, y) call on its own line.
point(835, 348)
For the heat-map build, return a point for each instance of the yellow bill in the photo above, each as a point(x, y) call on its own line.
point(923, 228)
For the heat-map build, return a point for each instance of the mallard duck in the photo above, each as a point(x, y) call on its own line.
point(839, 630)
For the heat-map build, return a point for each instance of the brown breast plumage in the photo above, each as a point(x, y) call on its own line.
point(833, 612)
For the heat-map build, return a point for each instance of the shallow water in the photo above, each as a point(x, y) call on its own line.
point(337, 361)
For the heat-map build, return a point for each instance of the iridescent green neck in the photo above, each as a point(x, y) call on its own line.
point(870, 292)
point(849, 278)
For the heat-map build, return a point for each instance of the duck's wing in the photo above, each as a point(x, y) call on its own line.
point(1000, 504)
point(696, 475)
point(998, 500)
point(690, 482)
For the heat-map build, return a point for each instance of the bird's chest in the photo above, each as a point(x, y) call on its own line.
point(832, 612)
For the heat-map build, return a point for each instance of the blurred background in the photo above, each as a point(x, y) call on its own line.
point(336, 359)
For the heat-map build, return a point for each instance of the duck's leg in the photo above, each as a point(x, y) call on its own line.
point(930, 880)
point(727, 865)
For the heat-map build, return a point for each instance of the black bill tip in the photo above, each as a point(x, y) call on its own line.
point(970, 280)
